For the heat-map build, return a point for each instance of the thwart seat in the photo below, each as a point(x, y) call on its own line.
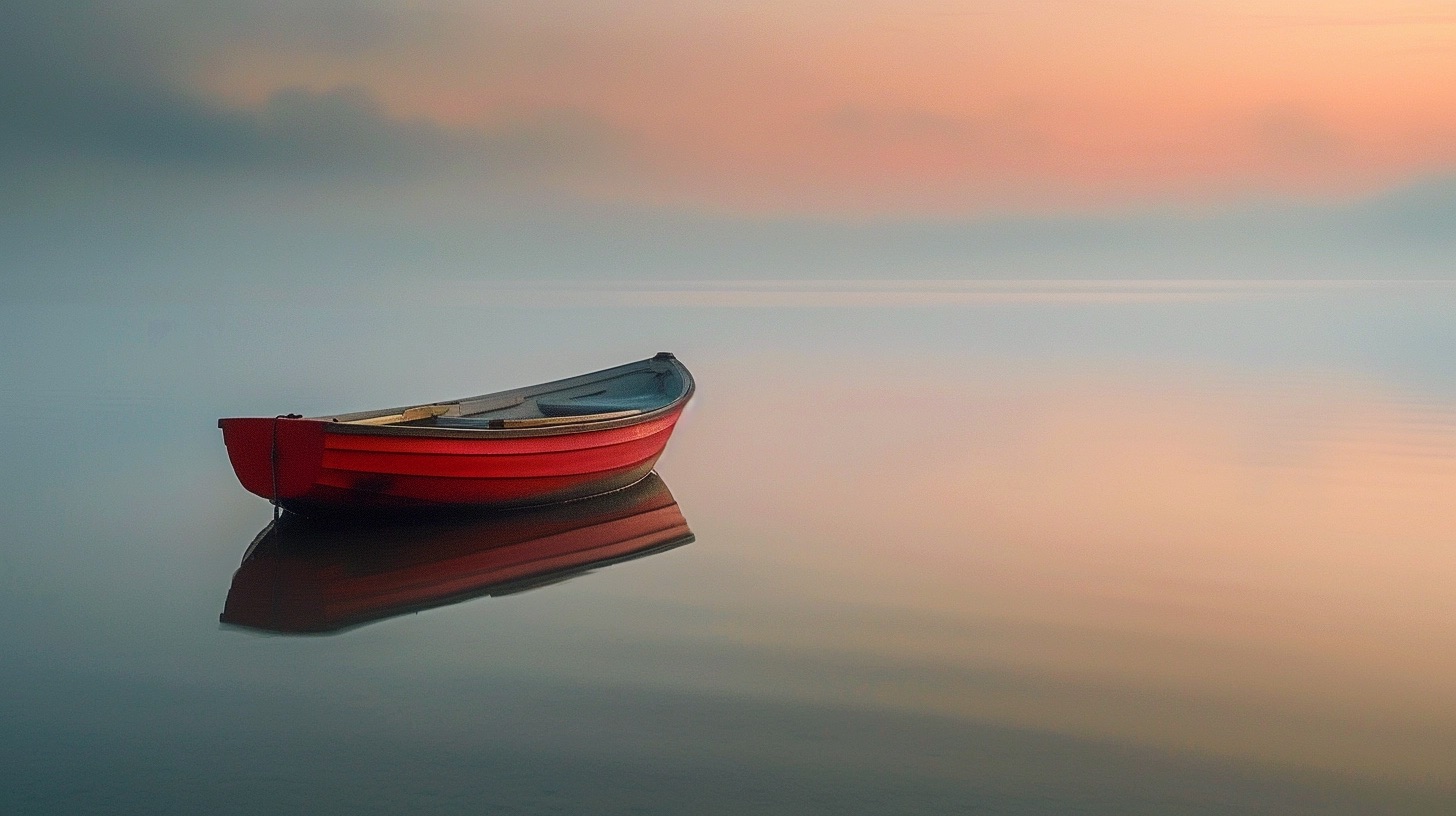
point(602, 404)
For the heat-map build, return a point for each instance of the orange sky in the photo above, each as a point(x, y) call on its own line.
point(921, 106)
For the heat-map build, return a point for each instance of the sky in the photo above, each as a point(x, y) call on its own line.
point(164, 144)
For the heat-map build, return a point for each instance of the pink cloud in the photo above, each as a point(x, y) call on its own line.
point(880, 108)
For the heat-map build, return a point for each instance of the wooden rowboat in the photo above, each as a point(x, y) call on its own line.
point(543, 443)
point(305, 575)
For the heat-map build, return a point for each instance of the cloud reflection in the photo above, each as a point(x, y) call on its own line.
point(1251, 567)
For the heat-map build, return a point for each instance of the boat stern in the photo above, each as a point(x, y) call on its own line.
point(276, 458)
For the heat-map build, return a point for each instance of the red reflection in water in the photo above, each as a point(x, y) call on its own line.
point(320, 576)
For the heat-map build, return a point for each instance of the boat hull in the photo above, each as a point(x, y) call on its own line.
point(312, 465)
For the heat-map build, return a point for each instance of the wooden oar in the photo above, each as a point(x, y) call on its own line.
point(536, 422)
point(407, 415)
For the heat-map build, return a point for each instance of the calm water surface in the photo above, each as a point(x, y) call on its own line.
point(1109, 551)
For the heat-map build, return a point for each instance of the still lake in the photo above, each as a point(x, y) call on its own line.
point(1095, 548)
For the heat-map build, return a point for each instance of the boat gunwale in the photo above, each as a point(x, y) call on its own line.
point(346, 423)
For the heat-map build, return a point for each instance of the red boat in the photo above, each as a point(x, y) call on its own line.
point(543, 443)
point(312, 576)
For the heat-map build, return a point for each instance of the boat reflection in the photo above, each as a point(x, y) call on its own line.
point(320, 576)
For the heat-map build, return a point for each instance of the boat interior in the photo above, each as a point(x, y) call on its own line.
point(615, 393)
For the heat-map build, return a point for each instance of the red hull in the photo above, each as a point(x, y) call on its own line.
point(319, 465)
